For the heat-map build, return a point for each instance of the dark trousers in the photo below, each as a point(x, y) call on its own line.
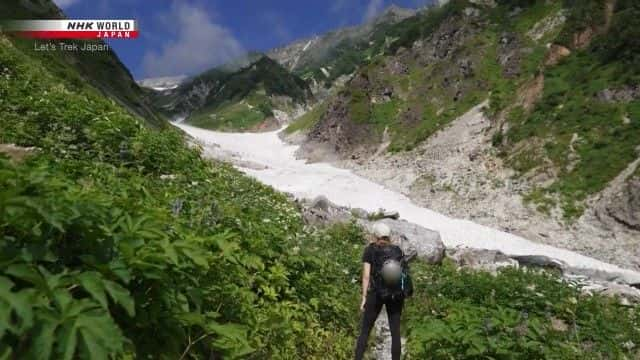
point(372, 309)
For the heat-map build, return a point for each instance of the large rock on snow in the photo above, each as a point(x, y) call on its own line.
point(415, 240)
point(481, 259)
point(321, 211)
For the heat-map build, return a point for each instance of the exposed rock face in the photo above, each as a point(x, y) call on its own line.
point(339, 133)
point(509, 55)
point(546, 25)
point(624, 207)
point(440, 45)
point(623, 94)
point(555, 54)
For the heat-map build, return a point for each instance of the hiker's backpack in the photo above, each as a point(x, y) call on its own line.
point(399, 289)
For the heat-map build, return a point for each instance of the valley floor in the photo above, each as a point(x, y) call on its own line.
point(272, 161)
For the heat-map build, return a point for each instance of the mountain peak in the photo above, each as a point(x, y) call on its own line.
point(395, 13)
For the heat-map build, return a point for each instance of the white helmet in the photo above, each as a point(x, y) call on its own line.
point(381, 230)
point(391, 271)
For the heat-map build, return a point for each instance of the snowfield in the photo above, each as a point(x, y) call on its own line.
point(266, 157)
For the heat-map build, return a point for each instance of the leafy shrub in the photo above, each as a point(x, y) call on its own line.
point(359, 106)
point(622, 42)
point(582, 15)
point(120, 241)
point(514, 315)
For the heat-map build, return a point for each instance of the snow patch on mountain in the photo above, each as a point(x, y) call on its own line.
point(163, 83)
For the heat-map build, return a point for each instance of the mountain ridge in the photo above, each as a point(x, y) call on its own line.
point(239, 96)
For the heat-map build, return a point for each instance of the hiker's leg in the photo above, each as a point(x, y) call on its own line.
point(394, 311)
point(371, 310)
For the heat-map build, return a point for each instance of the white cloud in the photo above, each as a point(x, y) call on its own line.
point(373, 9)
point(65, 3)
point(199, 44)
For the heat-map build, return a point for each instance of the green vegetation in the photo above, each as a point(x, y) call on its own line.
point(583, 14)
point(514, 315)
point(308, 120)
point(586, 139)
point(359, 106)
point(241, 100)
point(265, 73)
point(425, 99)
point(242, 115)
point(419, 27)
point(350, 54)
point(119, 241)
point(102, 70)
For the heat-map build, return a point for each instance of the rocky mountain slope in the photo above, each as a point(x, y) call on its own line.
point(250, 94)
point(325, 58)
point(321, 62)
point(102, 70)
point(552, 153)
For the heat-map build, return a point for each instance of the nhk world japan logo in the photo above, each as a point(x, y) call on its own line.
point(72, 29)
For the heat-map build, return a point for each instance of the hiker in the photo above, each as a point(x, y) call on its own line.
point(385, 281)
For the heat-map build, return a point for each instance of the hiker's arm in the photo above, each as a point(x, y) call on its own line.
point(366, 272)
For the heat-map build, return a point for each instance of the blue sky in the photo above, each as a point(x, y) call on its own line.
point(188, 36)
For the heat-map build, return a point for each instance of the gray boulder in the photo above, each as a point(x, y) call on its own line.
point(360, 213)
point(623, 94)
point(321, 203)
point(625, 294)
point(415, 240)
point(540, 261)
point(320, 212)
point(624, 207)
point(481, 259)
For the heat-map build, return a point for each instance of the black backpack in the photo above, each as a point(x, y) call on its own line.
point(390, 292)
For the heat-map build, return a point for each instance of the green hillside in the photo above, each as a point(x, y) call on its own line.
point(327, 57)
point(102, 70)
point(236, 96)
point(571, 114)
point(117, 239)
